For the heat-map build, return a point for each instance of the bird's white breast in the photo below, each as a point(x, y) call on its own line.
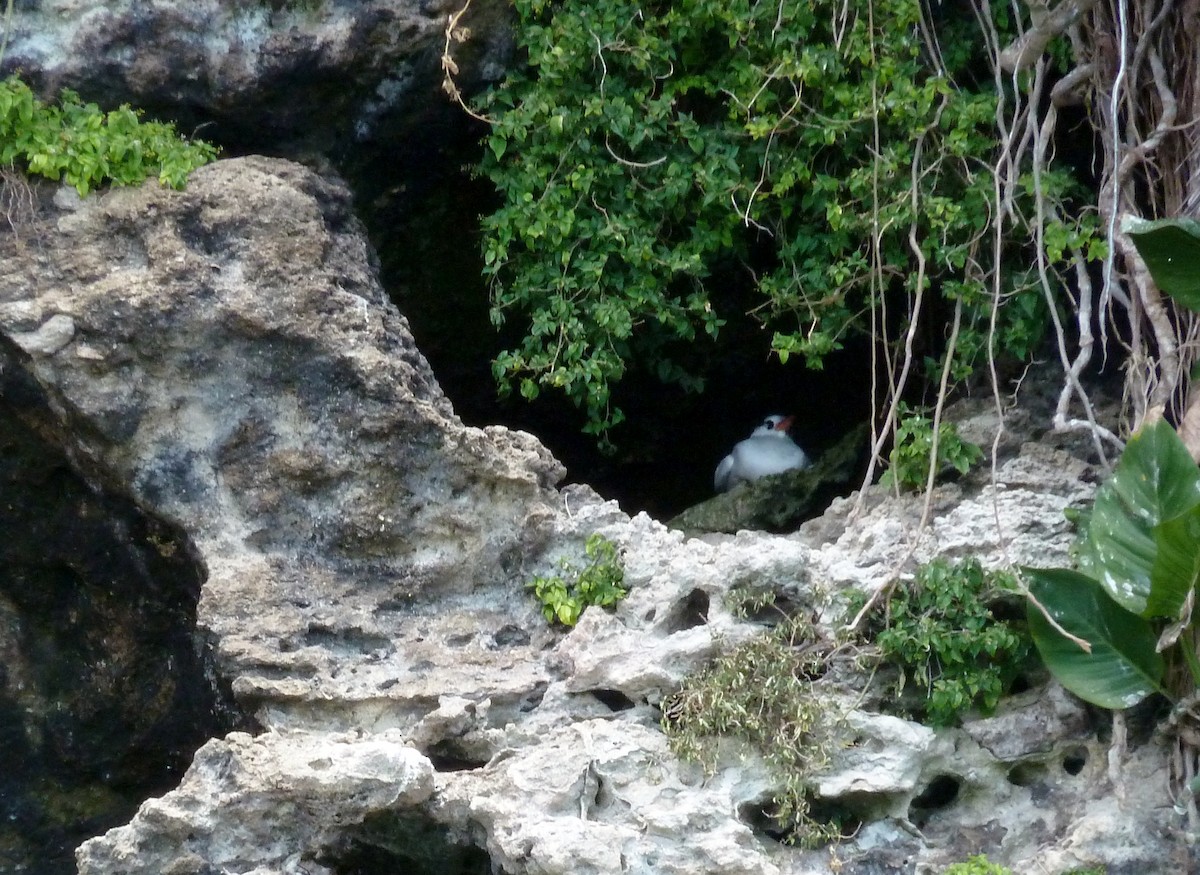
point(758, 456)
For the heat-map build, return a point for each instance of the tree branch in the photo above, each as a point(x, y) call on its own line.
point(1047, 24)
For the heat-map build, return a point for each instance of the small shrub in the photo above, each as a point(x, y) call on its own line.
point(941, 631)
point(908, 464)
point(762, 694)
point(745, 602)
point(564, 596)
point(85, 146)
point(978, 865)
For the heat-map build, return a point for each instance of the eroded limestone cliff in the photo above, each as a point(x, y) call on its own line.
point(226, 357)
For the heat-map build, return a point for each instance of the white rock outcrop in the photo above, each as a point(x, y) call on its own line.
point(226, 813)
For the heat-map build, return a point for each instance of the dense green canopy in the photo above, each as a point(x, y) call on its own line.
point(844, 154)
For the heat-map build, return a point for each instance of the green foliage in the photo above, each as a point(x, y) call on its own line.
point(85, 146)
point(564, 596)
point(762, 693)
point(815, 143)
point(977, 865)
point(942, 633)
point(912, 451)
point(745, 602)
point(981, 865)
point(1121, 666)
point(1171, 250)
point(1132, 599)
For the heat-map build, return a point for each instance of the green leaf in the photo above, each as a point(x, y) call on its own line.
point(1119, 551)
point(529, 389)
point(1171, 250)
point(1176, 565)
point(1123, 667)
point(1155, 480)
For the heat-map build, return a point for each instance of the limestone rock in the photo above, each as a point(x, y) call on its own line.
point(1017, 519)
point(104, 694)
point(254, 387)
point(226, 811)
point(47, 339)
point(260, 68)
point(602, 797)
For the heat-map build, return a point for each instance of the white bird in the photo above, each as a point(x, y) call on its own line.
point(769, 450)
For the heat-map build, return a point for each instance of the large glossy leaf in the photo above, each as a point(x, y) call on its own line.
point(1171, 249)
point(1154, 481)
point(1122, 668)
point(1118, 551)
point(1176, 565)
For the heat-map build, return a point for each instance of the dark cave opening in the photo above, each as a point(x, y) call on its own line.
point(410, 167)
point(939, 793)
point(421, 203)
point(105, 687)
point(407, 151)
point(834, 818)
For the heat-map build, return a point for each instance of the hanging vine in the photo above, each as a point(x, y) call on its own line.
point(1133, 67)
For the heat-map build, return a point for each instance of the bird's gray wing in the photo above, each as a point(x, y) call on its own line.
point(722, 477)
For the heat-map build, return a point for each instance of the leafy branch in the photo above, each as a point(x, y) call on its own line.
point(86, 146)
point(832, 151)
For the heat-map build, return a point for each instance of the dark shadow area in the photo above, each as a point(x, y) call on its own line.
point(407, 151)
point(388, 843)
point(939, 793)
point(758, 816)
point(105, 692)
point(845, 814)
point(1027, 774)
point(842, 818)
point(508, 635)
point(409, 164)
point(1021, 683)
point(1074, 760)
point(421, 203)
point(533, 700)
point(688, 614)
point(613, 700)
point(447, 756)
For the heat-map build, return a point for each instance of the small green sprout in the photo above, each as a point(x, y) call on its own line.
point(565, 595)
point(908, 465)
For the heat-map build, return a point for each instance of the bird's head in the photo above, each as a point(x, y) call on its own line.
point(775, 424)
